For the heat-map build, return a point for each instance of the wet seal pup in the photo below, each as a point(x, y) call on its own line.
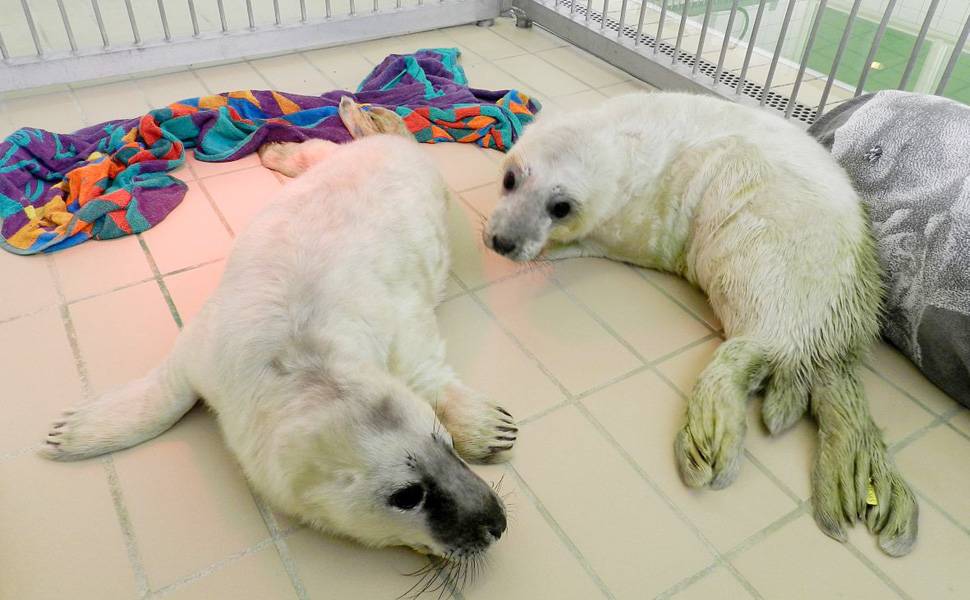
point(320, 355)
point(753, 211)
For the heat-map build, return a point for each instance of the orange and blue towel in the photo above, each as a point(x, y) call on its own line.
point(112, 179)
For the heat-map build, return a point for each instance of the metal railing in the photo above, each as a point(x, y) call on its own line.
point(650, 52)
point(63, 41)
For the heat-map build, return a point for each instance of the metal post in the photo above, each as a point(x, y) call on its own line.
point(751, 42)
point(193, 15)
point(302, 11)
point(134, 25)
point(164, 18)
point(918, 45)
point(726, 42)
point(67, 26)
point(606, 9)
point(249, 13)
point(222, 16)
point(876, 40)
point(781, 42)
point(700, 43)
point(276, 12)
point(643, 11)
point(954, 57)
point(838, 57)
point(619, 30)
point(808, 51)
point(680, 33)
point(32, 26)
point(660, 26)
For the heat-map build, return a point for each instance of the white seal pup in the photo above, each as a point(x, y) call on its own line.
point(753, 211)
point(320, 355)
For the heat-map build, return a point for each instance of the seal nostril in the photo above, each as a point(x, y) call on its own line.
point(502, 246)
point(496, 524)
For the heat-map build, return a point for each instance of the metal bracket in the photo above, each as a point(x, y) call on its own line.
point(522, 20)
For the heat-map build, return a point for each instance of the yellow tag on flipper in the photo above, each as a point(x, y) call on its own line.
point(871, 499)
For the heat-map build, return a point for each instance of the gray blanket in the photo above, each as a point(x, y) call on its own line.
point(909, 158)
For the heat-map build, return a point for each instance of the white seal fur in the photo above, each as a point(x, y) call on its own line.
point(320, 354)
point(752, 210)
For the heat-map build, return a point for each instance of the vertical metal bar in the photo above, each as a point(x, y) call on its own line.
point(276, 12)
point(67, 26)
point(134, 25)
point(3, 49)
point(876, 40)
point(918, 45)
point(751, 41)
point(643, 11)
point(398, 5)
point(838, 57)
point(377, 5)
point(680, 32)
point(222, 16)
point(352, 9)
point(781, 42)
point(589, 9)
point(660, 26)
point(619, 30)
point(164, 17)
point(329, 9)
point(572, 7)
point(808, 51)
point(606, 9)
point(954, 57)
point(302, 11)
point(700, 43)
point(193, 15)
point(726, 42)
point(32, 26)
point(249, 13)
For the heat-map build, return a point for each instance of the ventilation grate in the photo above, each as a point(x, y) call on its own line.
point(749, 88)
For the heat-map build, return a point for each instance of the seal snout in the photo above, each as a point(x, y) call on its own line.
point(503, 246)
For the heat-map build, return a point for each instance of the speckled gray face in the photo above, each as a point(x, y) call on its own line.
point(463, 513)
point(519, 227)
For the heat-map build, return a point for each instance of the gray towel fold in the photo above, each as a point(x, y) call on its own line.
point(909, 158)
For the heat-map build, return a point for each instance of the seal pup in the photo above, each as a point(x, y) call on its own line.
point(753, 211)
point(321, 357)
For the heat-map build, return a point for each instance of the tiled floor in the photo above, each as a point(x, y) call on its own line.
point(593, 357)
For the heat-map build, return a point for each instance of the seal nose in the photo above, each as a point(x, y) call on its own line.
point(502, 245)
point(496, 524)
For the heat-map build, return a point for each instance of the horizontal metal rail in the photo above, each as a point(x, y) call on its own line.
point(139, 54)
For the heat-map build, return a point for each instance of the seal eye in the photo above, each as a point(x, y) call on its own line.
point(407, 498)
point(560, 209)
point(508, 182)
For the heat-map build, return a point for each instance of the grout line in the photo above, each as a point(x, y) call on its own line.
point(687, 582)
point(161, 282)
point(111, 474)
point(670, 297)
point(895, 386)
point(121, 511)
point(558, 530)
point(876, 570)
point(215, 207)
point(282, 548)
point(33, 312)
point(674, 507)
point(953, 520)
point(212, 568)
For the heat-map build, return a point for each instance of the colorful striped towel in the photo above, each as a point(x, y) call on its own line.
point(111, 180)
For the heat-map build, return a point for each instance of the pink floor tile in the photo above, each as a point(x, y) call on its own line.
point(101, 265)
point(239, 196)
point(191, 289)
point(122, 335)
point(191, 234)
